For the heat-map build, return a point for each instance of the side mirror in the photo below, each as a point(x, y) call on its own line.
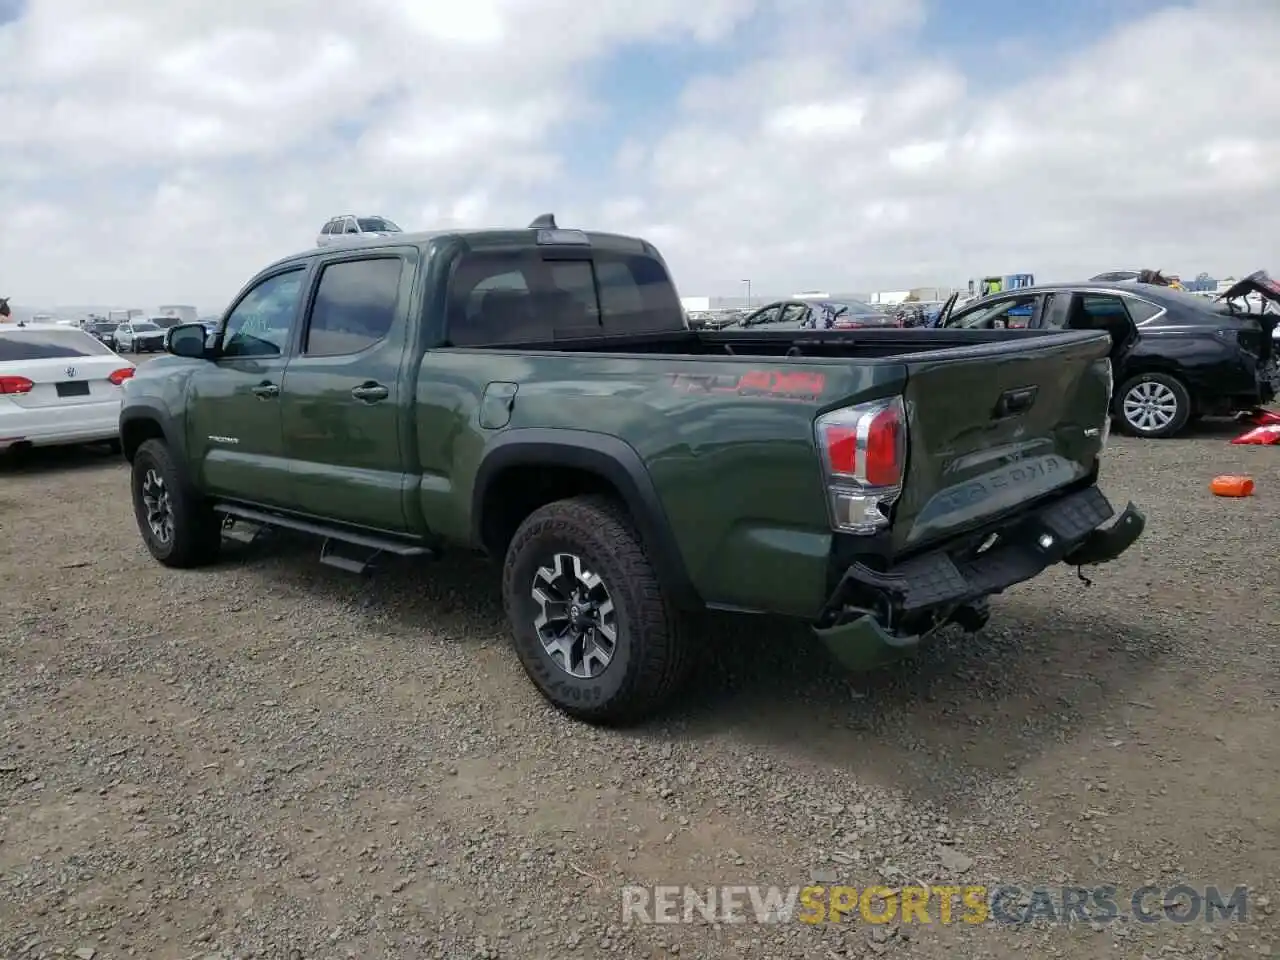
point(187, 340)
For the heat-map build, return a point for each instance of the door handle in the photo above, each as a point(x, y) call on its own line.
point(370, 392)
point(266, 390)
point(1013, 402)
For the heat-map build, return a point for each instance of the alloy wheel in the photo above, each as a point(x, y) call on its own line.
point(1150, 406)
point(576, 622)
point(155, 498)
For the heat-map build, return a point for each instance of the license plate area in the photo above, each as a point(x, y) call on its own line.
point(73, 388)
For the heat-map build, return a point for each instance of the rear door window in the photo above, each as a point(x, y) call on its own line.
point(354, 307)
point(48, 345)
point(1099, 312)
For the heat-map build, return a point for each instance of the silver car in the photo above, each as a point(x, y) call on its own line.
point(139, 336)
point(351, 227)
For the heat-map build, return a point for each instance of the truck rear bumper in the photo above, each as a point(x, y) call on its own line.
point(875, 616)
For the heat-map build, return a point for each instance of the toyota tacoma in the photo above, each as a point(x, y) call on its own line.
point(537, 395)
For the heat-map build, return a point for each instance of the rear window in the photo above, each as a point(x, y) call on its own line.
point(518, 297)
point(48, 345)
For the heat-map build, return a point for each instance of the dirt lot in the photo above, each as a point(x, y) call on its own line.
point(272, 759)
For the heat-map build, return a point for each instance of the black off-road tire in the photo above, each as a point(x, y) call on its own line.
point(1171, 384)
point(651, 656)
point(196, 537)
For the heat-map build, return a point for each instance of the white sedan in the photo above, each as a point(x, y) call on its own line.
point(58, 385)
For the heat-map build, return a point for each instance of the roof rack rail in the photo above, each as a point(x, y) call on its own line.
point(546, 221)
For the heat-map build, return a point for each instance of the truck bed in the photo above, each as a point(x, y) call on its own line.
point(728, 418)
point(869, 344)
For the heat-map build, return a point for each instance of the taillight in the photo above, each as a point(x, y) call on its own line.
point(864, 454)
point(10, 385)
point(1106, 416)
point(120, 376)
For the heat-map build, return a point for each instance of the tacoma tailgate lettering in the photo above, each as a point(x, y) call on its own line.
point(1001, 488)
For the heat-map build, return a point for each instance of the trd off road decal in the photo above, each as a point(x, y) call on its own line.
point(776, 384)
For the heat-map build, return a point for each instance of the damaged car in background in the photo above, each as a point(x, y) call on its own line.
point(1177, 356)
point(817, 315)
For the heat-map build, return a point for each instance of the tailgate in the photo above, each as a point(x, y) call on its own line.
point(996, 426)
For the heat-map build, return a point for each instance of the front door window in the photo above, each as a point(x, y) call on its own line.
point(260, 325)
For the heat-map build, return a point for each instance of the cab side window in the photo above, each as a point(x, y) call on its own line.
point(355, 306)
point(260, 324)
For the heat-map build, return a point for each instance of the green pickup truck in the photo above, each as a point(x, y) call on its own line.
point(536, 394)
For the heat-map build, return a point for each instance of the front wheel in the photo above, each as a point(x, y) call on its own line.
point(591, 625)
point(1153, 405)
point(178, 528)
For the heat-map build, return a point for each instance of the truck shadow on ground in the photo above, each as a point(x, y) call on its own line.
point(965, 707)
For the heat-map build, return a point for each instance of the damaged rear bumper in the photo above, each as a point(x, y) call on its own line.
point(874, 616)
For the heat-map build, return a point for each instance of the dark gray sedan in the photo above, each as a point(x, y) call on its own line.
point(817, 315)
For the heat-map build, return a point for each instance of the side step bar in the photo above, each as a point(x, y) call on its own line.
point(335, 538)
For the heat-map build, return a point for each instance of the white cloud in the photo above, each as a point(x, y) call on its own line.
point(163, 152)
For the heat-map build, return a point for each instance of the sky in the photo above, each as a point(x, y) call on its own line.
point(163, 152)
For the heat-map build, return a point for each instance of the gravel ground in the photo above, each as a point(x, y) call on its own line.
point(272, 759)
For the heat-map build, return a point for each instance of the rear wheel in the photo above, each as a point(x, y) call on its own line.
point(178, 527)
point(591, 625)
point(1153, 405)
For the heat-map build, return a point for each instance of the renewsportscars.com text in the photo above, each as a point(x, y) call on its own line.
point(945, 904)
